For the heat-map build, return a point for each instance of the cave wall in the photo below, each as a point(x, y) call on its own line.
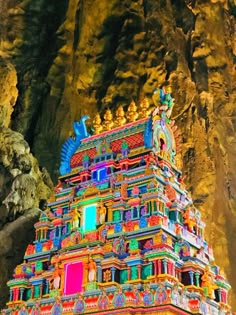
point(76, 57)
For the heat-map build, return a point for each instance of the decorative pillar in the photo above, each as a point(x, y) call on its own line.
point(99, 272)
point(197, 277)
point(113, 270)
point(224, 296)
point(159, 267)
point(128, 273)
point(14, 294)
point(191, 273)
point(151, 269)
point(32, 292)
point(21, 293)
point(220, 294)
point(17, 294)
point(47, 287)
point(177, 275)
point(139, 271)
point(165, 265)
point(180, 276)
point(155, 268)
point(41, 290)
point(173, 269)
point(11, 295)
point(169, 267)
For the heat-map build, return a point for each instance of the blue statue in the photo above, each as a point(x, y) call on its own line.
point(72, 144)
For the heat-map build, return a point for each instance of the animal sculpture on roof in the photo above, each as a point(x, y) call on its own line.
point(72, 144)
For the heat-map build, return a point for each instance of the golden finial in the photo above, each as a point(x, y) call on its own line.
point(120, 117)
point(97, 124)
point(132, 114)
point(144, 108)
point(108, 123)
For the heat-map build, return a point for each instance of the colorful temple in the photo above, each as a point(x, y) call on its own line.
point(121, 235)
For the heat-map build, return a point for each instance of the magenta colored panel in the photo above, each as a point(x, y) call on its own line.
point(73, 278)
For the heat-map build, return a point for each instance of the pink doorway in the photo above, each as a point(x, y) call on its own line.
point(73, 278)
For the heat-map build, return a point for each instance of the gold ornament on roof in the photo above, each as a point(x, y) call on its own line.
point(144, 108)
point(97, 124)
point(108, 122)
point(120, 117)
point(132, 114)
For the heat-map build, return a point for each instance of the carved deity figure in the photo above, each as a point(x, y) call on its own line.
point(75, 219)
point(123, 190)
point(121, 246)
point(107, 275)
point(158, 238)
point(102, 212)
point(170, 193)
point(163, 102)
point(92, 269)
point(56, 276)
point(189, 220)
point(151, 159)
point(175, 296)
point(208, 282)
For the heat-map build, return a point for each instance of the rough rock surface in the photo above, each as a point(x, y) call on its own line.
point(23, 186)
point(75, 57)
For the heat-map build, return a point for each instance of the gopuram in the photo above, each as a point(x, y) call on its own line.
point(121, 235)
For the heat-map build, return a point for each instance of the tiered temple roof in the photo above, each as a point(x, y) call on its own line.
point(121, 235)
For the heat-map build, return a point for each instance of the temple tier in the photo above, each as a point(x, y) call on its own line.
point(121, 235)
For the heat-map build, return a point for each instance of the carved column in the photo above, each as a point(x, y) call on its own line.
point(159, 266)
point(99, 272)
point(32, 292)
point(165, 265)
point(41, 290)
point(21, 293)
point(128, 273)
point(169, 267)
point(113, 270)
point(11, 295)
point(191, 273)
point(139, 271)
point(17, 293)
point(197, 277)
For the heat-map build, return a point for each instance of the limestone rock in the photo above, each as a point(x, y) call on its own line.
point(9, 92)
point(14, 238)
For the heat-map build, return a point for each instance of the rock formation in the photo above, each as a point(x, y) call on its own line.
point(23, 187)
point(77, 57)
